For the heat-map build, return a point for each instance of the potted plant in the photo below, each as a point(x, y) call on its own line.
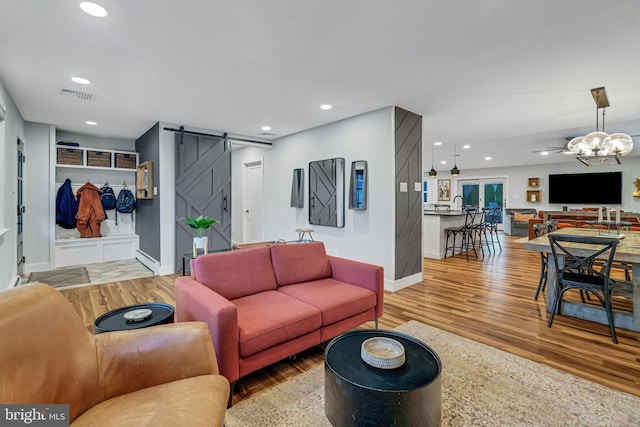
point(200, 224)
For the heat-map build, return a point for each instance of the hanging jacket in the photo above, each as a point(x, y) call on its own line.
point(66, 206)
point(90, 211)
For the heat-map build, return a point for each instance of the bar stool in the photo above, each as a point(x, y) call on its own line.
point(480, 227)
point(302, 231)
point(495, 215)
point(465, 233)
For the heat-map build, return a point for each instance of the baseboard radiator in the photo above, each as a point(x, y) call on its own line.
point(148, 261)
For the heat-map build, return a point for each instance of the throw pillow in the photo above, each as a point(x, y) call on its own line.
point(518, 217)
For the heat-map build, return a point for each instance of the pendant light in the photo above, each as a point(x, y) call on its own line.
point(432, 172)
point(455, 171)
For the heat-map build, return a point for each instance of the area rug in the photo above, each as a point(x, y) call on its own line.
point(481, 386)
point(61, 277)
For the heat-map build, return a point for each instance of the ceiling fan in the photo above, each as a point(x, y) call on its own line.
point(556, 149)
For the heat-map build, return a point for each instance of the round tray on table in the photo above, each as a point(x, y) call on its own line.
point(115, 320)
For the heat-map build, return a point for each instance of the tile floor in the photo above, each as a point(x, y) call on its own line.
point(112, 271)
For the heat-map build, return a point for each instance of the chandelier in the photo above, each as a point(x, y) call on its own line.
point(600, 148)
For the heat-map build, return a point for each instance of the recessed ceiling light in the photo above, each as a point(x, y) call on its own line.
point(466, 147)
point(326, 107)
point(488, 158)
point(443, 162)
point(437, 143)
point(80, 80)
point(544, 153)
point(93, 9)
point(266, 127)
point(91, 123)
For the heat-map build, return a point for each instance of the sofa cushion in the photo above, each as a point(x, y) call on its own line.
point(335, 300)
point(296, 263)
point(191, 401)
point(237, 273)
point(270, 318)
point(518, 217)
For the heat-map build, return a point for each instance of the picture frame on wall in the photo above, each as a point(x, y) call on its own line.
point(444, 190)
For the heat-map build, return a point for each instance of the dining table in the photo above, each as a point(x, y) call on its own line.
point(627, 254)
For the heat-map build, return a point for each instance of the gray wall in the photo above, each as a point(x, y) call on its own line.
point(148, 211)
point(408, 169)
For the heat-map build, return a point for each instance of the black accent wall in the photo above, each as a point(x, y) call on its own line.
point(148, 211)
point(408, 168)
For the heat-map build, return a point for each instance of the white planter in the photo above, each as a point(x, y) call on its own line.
point(200, 243)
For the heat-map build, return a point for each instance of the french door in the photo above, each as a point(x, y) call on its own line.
point(484, 193)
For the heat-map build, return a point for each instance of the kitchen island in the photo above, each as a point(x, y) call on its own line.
point(434, 236)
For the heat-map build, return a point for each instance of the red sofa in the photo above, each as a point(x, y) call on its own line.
point(268, 303)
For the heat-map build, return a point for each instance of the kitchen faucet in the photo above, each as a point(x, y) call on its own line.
point(461, 198)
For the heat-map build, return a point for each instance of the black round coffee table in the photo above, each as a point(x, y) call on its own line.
point(114, 320)
point(357, 394)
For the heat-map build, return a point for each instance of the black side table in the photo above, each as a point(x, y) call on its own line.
point(357, 394)
point(114, 320)
point(189, 256)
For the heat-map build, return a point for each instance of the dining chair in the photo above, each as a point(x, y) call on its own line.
point(576, 269)
point(541, 229)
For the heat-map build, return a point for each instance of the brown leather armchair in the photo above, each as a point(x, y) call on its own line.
point(163, 375)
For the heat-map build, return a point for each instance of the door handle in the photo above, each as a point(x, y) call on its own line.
point(224, 202)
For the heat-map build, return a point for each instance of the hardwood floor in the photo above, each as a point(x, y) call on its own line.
point(488, 300)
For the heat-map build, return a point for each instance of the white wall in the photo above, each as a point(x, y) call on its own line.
point(10, 129)
point(517, 180)
point(367, 235)
point(38, 198)
point(167, 186)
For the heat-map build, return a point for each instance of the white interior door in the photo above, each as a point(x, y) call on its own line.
point(253, 203)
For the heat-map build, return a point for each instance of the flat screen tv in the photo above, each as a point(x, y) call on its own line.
point(600, 188)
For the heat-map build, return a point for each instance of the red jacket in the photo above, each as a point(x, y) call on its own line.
point(90, 211)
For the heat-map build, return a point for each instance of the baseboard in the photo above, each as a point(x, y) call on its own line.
point(431, 254)
point(148, 261)
point(405, 282)
point(34, 268)
point(166, 270)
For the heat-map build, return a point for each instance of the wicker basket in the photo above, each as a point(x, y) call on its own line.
point(126, 161)
point(69, 156)
point(99, 158)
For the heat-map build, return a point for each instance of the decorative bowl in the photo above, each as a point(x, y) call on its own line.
point(137, 315)
point(383, 353)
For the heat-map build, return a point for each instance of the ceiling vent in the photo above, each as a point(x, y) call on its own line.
point(268, 134)
point(77, 94)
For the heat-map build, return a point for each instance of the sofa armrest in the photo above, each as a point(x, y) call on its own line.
point(508, 224)
point(140, 358)
point(361, 274)
point(195, 301)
